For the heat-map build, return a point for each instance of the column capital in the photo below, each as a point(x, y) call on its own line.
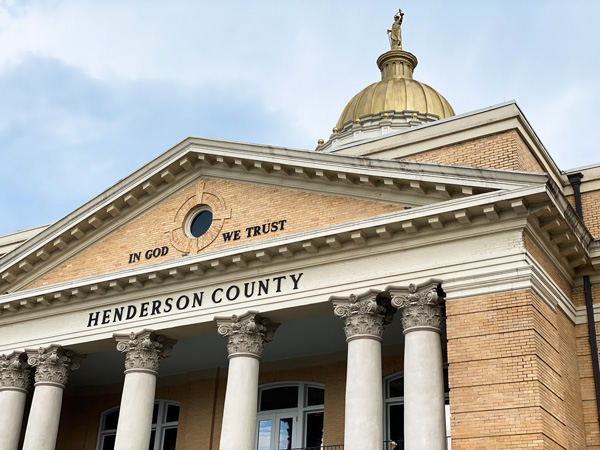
point(143, 350)
point(365, 315)
point(421, 305)
point(53, 364)
point(15, 373)
point(246, 334)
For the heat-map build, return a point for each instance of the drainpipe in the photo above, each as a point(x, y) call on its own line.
point(575, 180)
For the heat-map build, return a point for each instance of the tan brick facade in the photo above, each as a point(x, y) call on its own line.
point(513, 374)
point(590, 204)
point(505, 150)
point(251, 205)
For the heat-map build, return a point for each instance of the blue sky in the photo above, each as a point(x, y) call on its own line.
point(92, 90)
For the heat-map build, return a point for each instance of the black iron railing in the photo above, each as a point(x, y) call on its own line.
point(387, 445)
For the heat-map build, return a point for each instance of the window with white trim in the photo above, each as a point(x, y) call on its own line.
point(165, 419)
point(290, 415)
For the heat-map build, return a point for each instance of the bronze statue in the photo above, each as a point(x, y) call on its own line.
point(395, 34)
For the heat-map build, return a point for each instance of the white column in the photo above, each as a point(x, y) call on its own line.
point(364, 317)
point(422, 318)
point(142, 359)
point(15, 380)
point(246, 335)
point(52, 366)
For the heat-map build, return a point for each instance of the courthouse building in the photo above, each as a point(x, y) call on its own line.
point(421, 280)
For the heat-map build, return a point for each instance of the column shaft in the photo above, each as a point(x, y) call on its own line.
point(246, 337)
point(424, 418)
point(44, 417)
point(422, 308)
point(241, 400)
point(135, 418)
point(364, 399)
point(143, 352)
point(12, 402)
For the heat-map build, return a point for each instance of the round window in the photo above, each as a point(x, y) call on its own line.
point(200, 222)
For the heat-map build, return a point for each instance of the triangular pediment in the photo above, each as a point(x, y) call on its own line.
point(255, 193)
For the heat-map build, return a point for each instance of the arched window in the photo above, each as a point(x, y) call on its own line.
point(290, 415)
point(393, 393)
point(165, 419)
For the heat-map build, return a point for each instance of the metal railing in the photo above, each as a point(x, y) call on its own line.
point(387, 445)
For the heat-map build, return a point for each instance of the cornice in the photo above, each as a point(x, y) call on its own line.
point(472, 215)
point(409, 183)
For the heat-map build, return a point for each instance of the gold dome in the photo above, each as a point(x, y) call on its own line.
point(397, 91)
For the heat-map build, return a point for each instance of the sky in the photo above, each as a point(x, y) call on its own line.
point(92, 90)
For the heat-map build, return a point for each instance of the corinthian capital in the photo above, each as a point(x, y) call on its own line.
point(421, 305)
point(246, 334)
point(53, 364)
point(364, 315)
point(143, 350)
point(15, 373)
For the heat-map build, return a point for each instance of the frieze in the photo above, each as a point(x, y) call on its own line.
point(364, 315)
point(256, 289)
point(53, 364)
point(246, 334)
point(421, 306)
point(143, 350)
point(15, 373)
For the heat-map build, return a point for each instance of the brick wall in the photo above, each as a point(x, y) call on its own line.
point(250, 205)
point(202, 406)
point(504, 150)
point(590, 203)
point(513, 374)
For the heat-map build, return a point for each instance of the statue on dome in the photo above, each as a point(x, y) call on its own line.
point(395, 34)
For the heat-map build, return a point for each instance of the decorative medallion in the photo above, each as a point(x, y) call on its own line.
point(202, 208)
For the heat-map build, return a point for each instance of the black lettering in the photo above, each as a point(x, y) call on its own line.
point(168, 305)
point(197, 299)
point(274, 226)
point(164, 251)
point(131, 311)
point(237, 292)
point(263, 287)
point(295, 280)
point(249, 230)
point(105, 316)
point(118, 316)
point(281, 222)
point(156, 252)
point(278, 280)
point(236, 235)
point(227, 236)
point(213, 295)
point(144, 309)
point(93, 319)
point(187, 302)
point(133, 257)
point(155, 307)
point(256, 231)
point(266, 228)
point(246, 289)
point(148, 254)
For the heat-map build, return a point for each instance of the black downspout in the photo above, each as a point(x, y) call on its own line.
point(575, 180)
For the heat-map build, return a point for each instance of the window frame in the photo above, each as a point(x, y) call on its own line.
point(301, 411)
point(158, 428)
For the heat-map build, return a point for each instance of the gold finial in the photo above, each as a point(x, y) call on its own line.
point(335, 129)
point(357, 121)
point(320, 141)
point(414, 116)
point(395, 34)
